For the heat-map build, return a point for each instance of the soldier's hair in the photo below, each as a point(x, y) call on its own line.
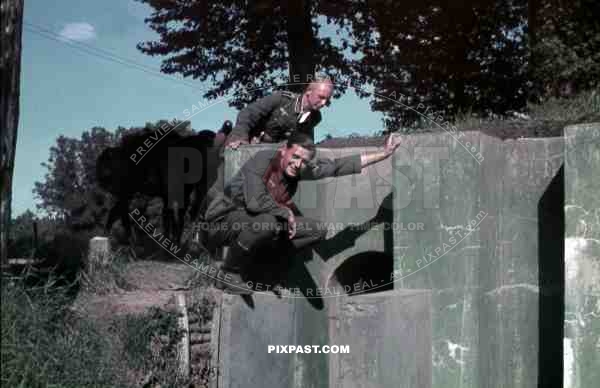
point(319, 80)
point(301, 139)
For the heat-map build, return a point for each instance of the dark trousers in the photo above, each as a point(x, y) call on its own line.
point(251, 232)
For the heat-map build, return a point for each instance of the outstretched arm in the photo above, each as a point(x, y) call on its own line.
point(391, 143)
point(352, 164)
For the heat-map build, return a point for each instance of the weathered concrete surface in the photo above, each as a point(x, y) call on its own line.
point(245, 334)
point(479, 252)
point(522, 192)
point(389, 335)
point(582, 256)
point(490, 247)
point(437, 183)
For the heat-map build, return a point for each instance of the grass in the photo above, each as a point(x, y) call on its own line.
point(544, 119)
point(200, 279)
point(105, 278)
point(584, 106)
point(45, 344)
point(150, 344)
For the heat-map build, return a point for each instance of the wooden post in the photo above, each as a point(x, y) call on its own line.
point(183, 348)
point(35, 239)
point(11, 25)
point(99, 253)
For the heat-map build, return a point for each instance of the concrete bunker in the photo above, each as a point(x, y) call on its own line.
point(496, 310)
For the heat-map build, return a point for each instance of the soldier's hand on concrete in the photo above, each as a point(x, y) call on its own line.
point(391, 143)
point(257, 139)
point(235, 144)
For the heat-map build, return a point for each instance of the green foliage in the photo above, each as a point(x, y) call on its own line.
point(43, 345)
point(242, 46)
point(566, 47)
point(487, 57)
point(21, 240)
point(70, 191)
point(202, 306)
point(106, 277)
point(442, 57)
point(150, 343)
point(583, 107)
point(46, 344)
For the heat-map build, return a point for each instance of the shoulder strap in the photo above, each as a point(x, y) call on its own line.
point(288, 94)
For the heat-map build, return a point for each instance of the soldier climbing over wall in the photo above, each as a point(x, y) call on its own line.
point(256, 206)
point(275, 117)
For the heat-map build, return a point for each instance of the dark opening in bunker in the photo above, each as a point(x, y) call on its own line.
point(364, 273)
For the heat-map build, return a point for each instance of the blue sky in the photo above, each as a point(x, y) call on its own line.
point(65, 91)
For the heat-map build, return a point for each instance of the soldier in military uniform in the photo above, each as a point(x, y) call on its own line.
point(271, 119)
point(256, 206)
point(275, 117)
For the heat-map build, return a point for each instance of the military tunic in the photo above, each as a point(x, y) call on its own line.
point(278, 115)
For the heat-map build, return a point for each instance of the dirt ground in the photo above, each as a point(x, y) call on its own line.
point(150, 284)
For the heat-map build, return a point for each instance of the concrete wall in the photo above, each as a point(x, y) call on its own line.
point(480, 251)
point(478, 222)
point(390, 337)
point(582, 256)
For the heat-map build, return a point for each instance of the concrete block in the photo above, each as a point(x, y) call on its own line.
point(445, 256)
point(506, 205)
point(389, 338)
point(437, 184)
point(245, 334)
point(311, 328)
point(455, 336)
point(509, 337)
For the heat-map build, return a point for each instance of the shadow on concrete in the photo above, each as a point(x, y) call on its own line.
point(273, 266)
point(348, 236)
point(365, 273)
point(551, 264)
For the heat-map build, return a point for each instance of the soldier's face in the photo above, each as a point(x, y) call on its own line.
point(318, 96)
point(295, 160)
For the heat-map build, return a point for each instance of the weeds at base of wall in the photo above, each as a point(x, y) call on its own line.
point(45, 343)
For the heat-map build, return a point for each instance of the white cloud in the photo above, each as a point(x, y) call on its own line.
point(78, 31)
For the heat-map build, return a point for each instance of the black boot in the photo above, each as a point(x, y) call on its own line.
point(235, 261)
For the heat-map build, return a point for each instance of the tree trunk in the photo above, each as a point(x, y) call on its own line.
point(11, 25)
point(301, 43)
point(532, 9)
point(532, 29)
